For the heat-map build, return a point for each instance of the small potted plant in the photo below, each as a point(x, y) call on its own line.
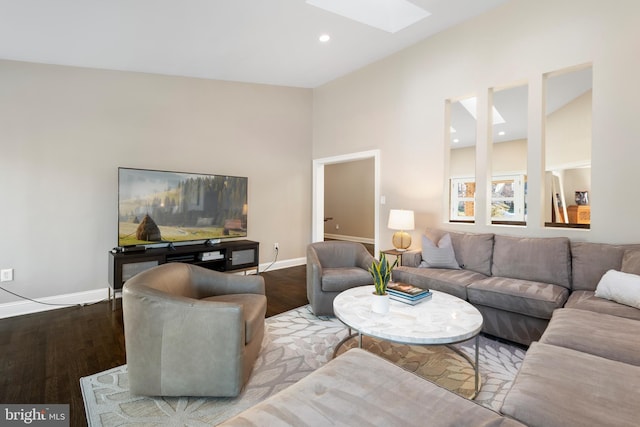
point(381, 273)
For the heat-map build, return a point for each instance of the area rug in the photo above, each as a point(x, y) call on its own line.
point(295, 344)
point(439, 364)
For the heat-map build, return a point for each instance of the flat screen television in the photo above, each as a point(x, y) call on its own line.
point(163, 207)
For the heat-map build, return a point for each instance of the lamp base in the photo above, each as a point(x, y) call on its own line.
point(401, 240)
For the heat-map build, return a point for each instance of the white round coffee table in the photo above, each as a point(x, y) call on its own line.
point(442, 320)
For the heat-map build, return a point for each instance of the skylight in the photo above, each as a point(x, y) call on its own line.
point(470, 104)
point(388, 15)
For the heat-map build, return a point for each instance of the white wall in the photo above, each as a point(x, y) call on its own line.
point(65, 131)
point(397, 105)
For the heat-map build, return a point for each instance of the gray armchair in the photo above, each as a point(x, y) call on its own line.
point(333, 267)
point(190, 331)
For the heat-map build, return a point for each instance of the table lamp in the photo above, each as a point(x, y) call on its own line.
point(401, 220)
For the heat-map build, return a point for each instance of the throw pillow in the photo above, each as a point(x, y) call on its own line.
point(439, 255)
point(631, 262)
point(623, 288)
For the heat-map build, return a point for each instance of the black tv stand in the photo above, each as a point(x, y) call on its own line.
point(235, 255)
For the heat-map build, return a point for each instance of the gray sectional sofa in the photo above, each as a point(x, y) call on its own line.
point(516, 283)
point(582, 367)
point(584, 371)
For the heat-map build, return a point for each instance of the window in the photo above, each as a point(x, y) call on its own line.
point(463, 193)
point(507, 199)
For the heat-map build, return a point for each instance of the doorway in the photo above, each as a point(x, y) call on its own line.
point(318, 208)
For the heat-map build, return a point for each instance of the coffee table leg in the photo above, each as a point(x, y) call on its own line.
point(474, 363)
point(350, 334)
point(477, 365)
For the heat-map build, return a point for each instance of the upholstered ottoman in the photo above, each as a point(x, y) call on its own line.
point(611, 337)
point(361, 389)
point(557, 386)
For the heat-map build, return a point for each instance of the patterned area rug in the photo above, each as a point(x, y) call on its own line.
point(296, 343)
point(439, 364)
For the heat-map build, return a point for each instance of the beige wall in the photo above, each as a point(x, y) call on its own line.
point(349, 200)
point(66, 130)
point(509, 157)
point(397, 105)
point(568, 134)
point(462, 162)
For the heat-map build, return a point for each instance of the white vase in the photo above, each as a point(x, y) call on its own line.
point(380, 304)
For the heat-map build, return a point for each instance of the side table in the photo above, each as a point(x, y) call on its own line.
point(396, 253)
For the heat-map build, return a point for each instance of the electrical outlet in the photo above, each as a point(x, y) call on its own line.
point(6, 275)
point(276, 247)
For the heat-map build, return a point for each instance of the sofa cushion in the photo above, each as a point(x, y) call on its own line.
point(631, 261)
point(558, 386)
point(591, 260)
point(361, 389)
point(440, 254)
point(611, 337)
point(623, 288)
point(473, 251)
point(519, 296)
point(411, 258)
point(453, 282)
point(341, 279)
point(545, 260)
point(586, 300)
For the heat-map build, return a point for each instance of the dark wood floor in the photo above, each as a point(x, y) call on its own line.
point(44, 355)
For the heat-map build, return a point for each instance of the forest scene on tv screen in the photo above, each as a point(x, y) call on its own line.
point(161, 206)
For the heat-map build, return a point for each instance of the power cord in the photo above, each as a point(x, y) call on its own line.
point(49, 303)
point(275, 258)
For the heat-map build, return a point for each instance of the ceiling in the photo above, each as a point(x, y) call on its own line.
point(258, 41)
point(512, 105)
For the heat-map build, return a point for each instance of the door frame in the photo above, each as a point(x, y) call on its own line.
point(317, 221)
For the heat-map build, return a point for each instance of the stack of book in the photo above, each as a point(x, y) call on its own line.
point(407, 294)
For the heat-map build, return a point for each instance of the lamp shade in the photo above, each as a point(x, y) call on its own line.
point(400, 219)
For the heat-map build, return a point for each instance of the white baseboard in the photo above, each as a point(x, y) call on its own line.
point(19, 308)
point(350, 238)
point(285, 263)
point(271, 266)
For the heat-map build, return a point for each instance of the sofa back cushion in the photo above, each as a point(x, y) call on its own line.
point(546, 260)
point(473, 251)
point(631, 261)
point(590, 261)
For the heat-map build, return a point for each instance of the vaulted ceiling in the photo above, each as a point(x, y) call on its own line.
point(258, 41)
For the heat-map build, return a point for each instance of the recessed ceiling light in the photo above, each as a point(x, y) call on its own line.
point(324, 38)
point(501, 133)
point(456, 140)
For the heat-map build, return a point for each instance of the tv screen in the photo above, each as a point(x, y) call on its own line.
point(157, 207)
